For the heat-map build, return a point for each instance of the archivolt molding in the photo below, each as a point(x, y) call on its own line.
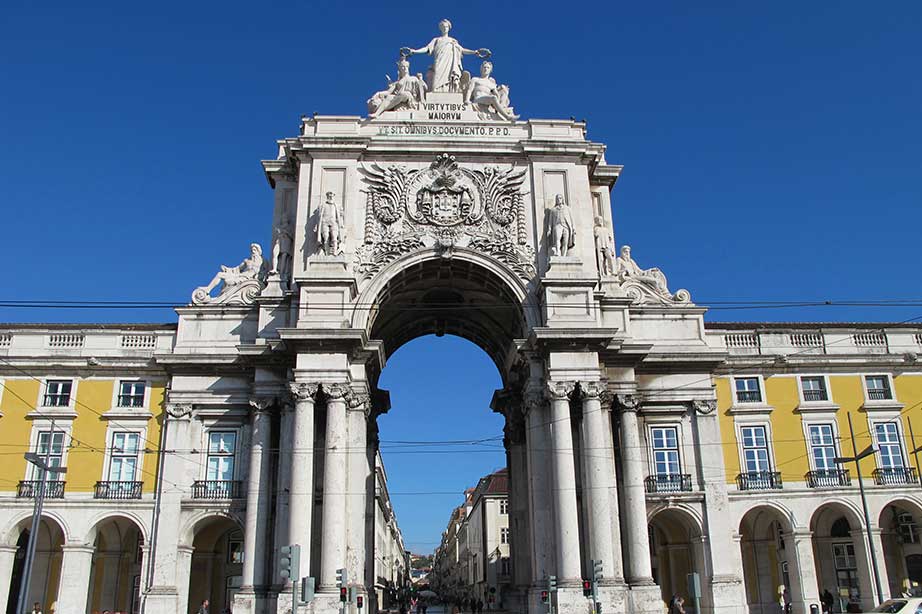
point(786, 514)
point(691, 514)
point(369, 295)
point(104, 516)
point(190, 527)
point(10, 534)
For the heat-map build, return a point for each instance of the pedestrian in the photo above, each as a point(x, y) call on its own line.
point(36, 608)
point(677, 605)
point(480, 606)
point(827, 600)
point(203, 609)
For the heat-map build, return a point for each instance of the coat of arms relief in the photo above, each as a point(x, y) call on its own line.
point(444, 206)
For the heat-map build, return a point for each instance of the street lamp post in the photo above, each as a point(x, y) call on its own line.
point(870, 450)
point(42, 464)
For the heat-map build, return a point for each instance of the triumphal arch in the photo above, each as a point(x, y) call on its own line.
point(442, 212)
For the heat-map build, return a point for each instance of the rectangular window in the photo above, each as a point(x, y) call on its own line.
point(909, 530)
point(878, 387)
point(222, 448)
point(846, 566)
point(822, 447)
point(814, 388)
point(505, 567)
point(755, 449)
point(123, 457)
point(504, 506)
point(665, 450)
point(131, 394)
point(52, 455)
point(235, 551)
point(57, 393)
point(888, 442)
point(747, 390)
point(504, 535)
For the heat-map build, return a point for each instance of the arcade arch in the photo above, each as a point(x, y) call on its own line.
point(677, 550)
point(766, 557)
point(900, 523)
point(213, 563)
point(115, 579)
point(46, 569)
point(841, 555)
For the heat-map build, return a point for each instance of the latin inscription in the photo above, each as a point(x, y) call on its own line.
point(442, 130)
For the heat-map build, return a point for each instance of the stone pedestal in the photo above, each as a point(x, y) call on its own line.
point(76, 567)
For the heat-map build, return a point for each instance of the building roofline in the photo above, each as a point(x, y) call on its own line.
point(807, 325)
point(172, 326)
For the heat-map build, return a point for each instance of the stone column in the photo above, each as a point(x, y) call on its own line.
point(540, 519)
point(804, 589)
point(283, 477)
point(168, 586)
point(301, 469)
point(358, 404)
point(564, 496)
point(7, 559)
point(183, 571)
point(516, 455)
point(255, 533)
point(639, 571)
point(724, 553)
point(599, 481)
point(333, 548)
point(74, 586)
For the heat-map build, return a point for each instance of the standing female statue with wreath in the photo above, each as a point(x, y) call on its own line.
point(446, 55)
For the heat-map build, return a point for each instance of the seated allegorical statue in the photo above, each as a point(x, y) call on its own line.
point(626, 268)
point(406, 92)
point(242, 283)
point(486, 95)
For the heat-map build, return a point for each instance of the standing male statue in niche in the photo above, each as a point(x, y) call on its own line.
point(282, 248)
point(561, 232)
point(329, 226)
point(446, 55)
point(604, 248)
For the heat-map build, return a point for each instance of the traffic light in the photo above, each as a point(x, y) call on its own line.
point(359, 601)
point(545, 597)
point(343, 594)
point(290, 562)
point(587, 588)
point(598, 607)
point(307, 590)
point(552, 584)
point(342, 578)
point(596, 572)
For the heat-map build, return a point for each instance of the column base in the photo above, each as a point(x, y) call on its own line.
point(162, 600)
point(728, 592)
point(571, 601)
point(644, 598)
point(249, 601)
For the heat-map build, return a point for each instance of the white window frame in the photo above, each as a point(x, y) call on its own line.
point(44, 426)
point(901, 440)
point(769, 439)
point(110, 449)
point(504, 507)
point(760, 382)
point(677, 426)
point(42, 391)
point(831, 422)
point(801, 391)
point(867, 396)
point(504, 535)
point(117, 393)
point(206, 450)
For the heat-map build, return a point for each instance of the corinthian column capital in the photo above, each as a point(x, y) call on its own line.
point(592, 390)
point(561, 390)
point(628, 402)
point(358, 400)
point(704, 406)
point(301, 391)
point(261, 403)
point(336, 391)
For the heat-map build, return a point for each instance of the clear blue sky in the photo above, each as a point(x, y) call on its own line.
point(771, 151)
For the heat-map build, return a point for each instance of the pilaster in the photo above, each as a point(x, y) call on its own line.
point(73, 589)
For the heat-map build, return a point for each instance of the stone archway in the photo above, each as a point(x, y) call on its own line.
point(213, 564)
point(900, 523)
point(840, 551)
point(678, 550)
point(118, 560)
point(46, 568)
point(770, 571)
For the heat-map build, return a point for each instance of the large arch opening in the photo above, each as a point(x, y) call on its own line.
point(676, 551)
point(900, 525)
point(448, 327)
point(767, 557)
point(46, 567)
point(115, 579)
point(840, 553)
point(215, 571)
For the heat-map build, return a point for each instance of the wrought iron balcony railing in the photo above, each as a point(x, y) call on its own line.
point(29, 489)
point(216, 489)
point(669, 482)
point(759, 480)
point(828, 478)
point(118, 490)
point(895, 476)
